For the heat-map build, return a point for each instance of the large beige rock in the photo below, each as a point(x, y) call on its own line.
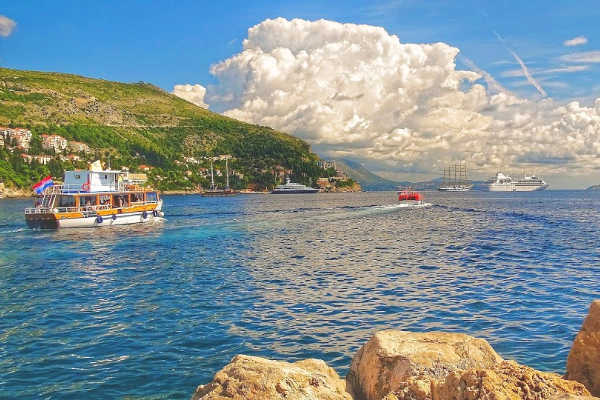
point(506, 381)
point(247, 378)
point(583, 363)
point(398, 360)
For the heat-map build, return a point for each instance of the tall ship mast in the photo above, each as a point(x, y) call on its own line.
point(214, 191)
point(455, 178)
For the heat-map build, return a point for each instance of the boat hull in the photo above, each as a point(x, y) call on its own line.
point(55, 221)
point(515, 188)
point(455, 189)
point(305, 191)
point(219, 193)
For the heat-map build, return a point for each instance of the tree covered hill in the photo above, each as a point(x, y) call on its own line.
point(132, 124)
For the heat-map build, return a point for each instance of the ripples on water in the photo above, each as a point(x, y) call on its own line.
point(154, 310)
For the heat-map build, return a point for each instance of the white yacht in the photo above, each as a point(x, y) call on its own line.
point(504, 183)
point(291, 188)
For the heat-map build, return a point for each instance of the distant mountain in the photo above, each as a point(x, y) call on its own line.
point(367, 179)
point(594, 187)
point(372, 182)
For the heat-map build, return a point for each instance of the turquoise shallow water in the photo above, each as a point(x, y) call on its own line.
point(152, 311)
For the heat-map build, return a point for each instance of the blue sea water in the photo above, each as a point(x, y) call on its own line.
point(151, 311)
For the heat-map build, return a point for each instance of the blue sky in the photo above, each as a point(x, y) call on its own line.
point(170, 42)
point(402, 120)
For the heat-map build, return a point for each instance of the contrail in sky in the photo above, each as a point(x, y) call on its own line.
point(489, 79)
point(530, 78)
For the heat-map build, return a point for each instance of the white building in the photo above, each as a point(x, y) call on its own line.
point(54, 142)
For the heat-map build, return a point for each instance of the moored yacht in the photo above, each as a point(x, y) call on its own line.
point(91, 198)
point(291, 188)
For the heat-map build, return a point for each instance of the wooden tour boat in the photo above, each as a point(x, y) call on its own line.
point(92, 198)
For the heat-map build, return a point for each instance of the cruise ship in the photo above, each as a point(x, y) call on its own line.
point(292, 188)
point(504, 183)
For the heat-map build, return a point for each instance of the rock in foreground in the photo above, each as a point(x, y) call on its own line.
point(249, 377)
point(506, 381)
point(397, 360)
point(583, 364)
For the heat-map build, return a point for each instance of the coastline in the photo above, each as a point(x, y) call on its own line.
point(9, 193)
point(402, 365)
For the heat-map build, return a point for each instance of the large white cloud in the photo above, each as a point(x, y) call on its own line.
point(355, 90)
point(192, 93)
point(7, 26)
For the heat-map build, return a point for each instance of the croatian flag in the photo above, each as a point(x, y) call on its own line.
point(43, 185)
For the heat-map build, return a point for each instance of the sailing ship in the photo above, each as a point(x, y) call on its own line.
point(214, 191)
point(455, 179)
point(92, 198)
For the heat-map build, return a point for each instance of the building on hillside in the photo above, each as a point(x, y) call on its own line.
point(144, 167)
point(191, 160)
point(54, 142)
point(43, 159)
point(79, 147)
point(325, 164)
point(73, 157)
point(19, 136)
point(27, 158)
point(323, 183)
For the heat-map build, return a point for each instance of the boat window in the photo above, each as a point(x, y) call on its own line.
point(120, 200)
point(151, 196)
point(86, 201)
point(104, 199)
point(137, 197)
point(66, 201)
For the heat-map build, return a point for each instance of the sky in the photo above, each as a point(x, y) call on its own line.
point(402, 86)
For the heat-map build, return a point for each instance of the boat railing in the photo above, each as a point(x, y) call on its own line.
point(84, 188)
point(83, 209)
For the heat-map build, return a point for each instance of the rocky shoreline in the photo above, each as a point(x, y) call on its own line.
point(11, 193)
point(400, 365)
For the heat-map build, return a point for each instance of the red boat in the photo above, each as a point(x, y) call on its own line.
point(410, 196)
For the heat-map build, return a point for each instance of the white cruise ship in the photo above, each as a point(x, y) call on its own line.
point(504, 183)
point(291, 188)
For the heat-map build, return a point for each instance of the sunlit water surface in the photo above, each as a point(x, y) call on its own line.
point(151, 311)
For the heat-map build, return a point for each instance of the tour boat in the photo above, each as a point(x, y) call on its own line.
point(92, 198)
point(411, 197)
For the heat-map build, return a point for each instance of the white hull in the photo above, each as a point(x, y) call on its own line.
point(494, 187)
point(121, 219)
point(454, 188)
point(109, 220)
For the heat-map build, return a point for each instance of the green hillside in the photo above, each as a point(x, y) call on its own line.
point(137, 123)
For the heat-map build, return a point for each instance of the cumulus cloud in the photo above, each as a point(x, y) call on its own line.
point(576, 41)
point(192, 93)
point(7, 26)
point(355, 90)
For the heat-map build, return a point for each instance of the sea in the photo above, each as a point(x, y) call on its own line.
point(150, 311)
